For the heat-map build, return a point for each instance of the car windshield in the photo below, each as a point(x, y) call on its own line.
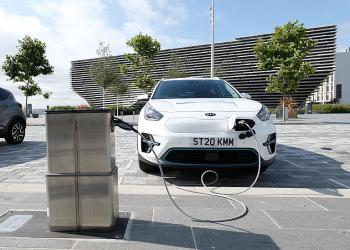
point(193, 88)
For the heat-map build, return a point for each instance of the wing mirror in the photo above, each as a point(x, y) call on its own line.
point(246, 96)
point(144, 97)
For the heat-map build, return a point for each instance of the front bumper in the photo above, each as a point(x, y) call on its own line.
point(177, 149)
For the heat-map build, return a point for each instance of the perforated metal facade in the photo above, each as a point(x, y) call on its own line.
point(235, 59)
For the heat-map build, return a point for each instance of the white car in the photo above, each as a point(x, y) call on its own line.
point(197, 124)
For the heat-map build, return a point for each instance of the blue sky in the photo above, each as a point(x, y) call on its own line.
point(73, 28)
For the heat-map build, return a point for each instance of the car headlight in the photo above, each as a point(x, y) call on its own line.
point(152, 114)
point(264, 113)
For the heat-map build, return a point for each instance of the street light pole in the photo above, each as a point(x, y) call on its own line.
point(212, 39)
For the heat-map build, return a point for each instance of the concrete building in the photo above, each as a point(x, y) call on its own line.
point(342, 76)
point(236, 60)
point(336, 87)
point(324, 93)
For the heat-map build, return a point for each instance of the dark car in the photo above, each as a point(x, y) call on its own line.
point(12, 118)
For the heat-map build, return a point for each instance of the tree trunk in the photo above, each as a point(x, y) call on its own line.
point(26, 107)
point(117, 106)
point(103, 98)
point(283, 110)
point(27, 114)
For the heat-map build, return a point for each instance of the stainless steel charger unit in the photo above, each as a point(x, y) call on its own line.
point(82, 179)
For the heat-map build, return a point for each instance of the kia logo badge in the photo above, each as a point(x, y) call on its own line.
point(210, 114)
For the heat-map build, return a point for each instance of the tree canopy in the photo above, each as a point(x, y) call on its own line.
point(29, 62)
point(285, 51)
point(105, 73)
point(145, 48)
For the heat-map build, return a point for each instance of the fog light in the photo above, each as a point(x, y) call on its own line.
point(271, 143)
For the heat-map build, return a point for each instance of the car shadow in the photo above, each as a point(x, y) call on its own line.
point(178, 235)
point(27, 151)
point(293, 168)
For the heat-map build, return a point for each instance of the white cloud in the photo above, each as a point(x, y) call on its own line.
point(157, 18)
point(72, 30)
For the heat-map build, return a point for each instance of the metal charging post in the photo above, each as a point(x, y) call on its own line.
point(82, 179)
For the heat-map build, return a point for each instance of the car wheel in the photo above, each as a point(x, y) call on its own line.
point(15, 133)
point(147, 168)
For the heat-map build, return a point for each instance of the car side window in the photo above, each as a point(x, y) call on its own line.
point(3, 95)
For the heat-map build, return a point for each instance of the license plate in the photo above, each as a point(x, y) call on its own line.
point(213, 142)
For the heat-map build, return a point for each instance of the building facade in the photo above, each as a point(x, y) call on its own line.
point(342, 76)
point(235, 59)
point(325, 92)
point(336, 87)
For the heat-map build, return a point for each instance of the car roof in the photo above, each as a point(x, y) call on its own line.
point(5, 90)
point(192, 78)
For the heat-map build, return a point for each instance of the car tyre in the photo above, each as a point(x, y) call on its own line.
point(15, 133)
point(147, 168)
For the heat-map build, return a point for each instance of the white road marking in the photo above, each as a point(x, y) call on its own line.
point(339, 183)
point(297, 165)
point(316, 203)
point(274, 222)
point(129, 163)
point(152, 214)
point(76, 242)
point(194, 239)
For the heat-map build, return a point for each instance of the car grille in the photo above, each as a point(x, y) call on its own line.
point(212, 156)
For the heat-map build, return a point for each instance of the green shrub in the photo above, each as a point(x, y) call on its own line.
point(66, 107)
point(331, 108)
point(125, 109)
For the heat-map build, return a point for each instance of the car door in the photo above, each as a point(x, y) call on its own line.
point(3, 107)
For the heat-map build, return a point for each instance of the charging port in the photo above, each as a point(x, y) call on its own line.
point(144, 144)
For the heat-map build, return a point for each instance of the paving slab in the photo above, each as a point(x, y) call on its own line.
point(271, 239)
point(170, 215)
point(311, 219)
point(333, 204)
point(278, 203)
point(125, 245)
point(215, 238)
point(163, 234)
point(36, 243)
point(139, 214)
point(164, 201)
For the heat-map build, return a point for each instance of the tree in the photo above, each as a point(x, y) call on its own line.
point(105, 74)
point(145, 48)
point(118, 88)
point(30, 61)
point(177, 68)
point(286, 50)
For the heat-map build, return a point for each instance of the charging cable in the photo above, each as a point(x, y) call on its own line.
point(151, 143)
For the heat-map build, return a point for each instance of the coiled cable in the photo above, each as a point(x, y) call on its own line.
point(151, 144)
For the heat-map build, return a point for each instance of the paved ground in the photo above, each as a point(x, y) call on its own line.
point(302, 201)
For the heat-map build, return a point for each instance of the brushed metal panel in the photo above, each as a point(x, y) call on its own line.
point(60, 143)
point(61, 199)
point(98, 202)
point(94, 142)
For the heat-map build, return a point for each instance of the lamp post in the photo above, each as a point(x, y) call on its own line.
point(212, 39)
